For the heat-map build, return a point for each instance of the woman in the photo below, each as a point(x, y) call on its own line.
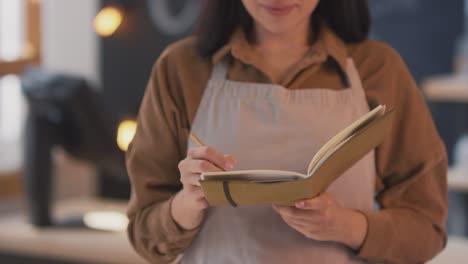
point(265, 83)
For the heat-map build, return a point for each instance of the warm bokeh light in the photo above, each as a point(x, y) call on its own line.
point(125, 133)
point(106, 220)
point(108, 20)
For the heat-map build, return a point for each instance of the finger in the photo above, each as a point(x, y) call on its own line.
point(294, 223)
point(191, 169)
point(284, 211)
point(300, 215)
point(190, 179)
point(289, 211)
point(311, 225)
point(320, 202)
point(195, 191)
point(201, 166)
point(185, 166)
point(301, 228)
point(212, 155)
point(308, 230)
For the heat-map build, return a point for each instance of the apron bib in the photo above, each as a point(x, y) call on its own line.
point(267, 126)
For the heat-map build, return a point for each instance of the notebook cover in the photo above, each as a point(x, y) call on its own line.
point(219, 193)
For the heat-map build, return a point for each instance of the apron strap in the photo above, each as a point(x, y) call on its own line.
point(353, 75)
point(219, 73)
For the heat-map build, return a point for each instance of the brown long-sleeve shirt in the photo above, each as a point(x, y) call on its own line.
point(411, 163)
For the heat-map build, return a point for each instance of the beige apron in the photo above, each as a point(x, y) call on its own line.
point(267, 126)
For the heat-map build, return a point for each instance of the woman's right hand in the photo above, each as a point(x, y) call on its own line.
point(188, 206)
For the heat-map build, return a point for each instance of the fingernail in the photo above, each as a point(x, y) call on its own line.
point(300, 204)
point(228, 166)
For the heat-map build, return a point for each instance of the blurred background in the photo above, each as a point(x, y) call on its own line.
point(72, 74)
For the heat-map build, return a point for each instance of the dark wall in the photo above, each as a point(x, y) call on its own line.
point(425, 33)
point(128, 56)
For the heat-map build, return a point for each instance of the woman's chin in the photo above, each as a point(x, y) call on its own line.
point(278, 28)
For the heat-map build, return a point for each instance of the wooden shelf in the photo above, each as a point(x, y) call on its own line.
point(455, 252)
point(10, 184)
point(458, 180)
point(32, 50)
point(87, 246)
point(15, 67)
point(10, 169)
point(451, 88)
point(70, 244)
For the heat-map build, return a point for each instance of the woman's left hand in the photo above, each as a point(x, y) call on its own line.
point(323, 218)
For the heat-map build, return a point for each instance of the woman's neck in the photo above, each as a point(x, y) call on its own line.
point(280, 52)
point(268, 42)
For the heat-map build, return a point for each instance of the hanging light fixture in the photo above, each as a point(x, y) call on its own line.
point(108, 20)
point(110, 17)
point(125, 133)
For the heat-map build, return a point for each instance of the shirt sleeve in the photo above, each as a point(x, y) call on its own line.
point(411, 165)
point(152, 163)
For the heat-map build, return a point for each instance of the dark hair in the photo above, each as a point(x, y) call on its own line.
point(349, 19)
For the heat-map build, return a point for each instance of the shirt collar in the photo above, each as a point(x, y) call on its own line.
point(327, 45)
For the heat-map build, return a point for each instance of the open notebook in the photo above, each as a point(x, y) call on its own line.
point(248, 187)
